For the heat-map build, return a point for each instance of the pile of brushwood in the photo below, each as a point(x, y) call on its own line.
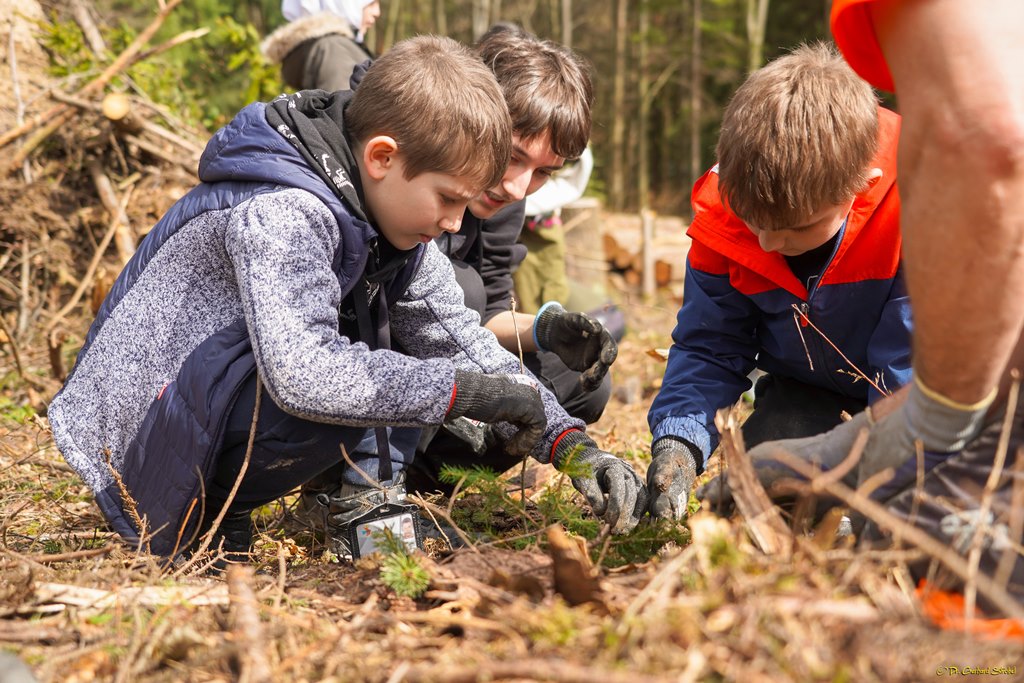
point(88, 163)
point(536, 590)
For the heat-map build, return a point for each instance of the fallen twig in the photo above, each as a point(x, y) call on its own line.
point(124, 237)
point(188, 165)
point(177, 40)
point(435, 510)
point(72, 555)
point(12, 59)
point(248, 630)
point(766, 525)
point(555, 671)
point(33, 632)
point(213, 593)
point(90, 272)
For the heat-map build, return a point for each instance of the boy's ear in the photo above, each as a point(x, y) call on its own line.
point(379, 155)
point(874, 175)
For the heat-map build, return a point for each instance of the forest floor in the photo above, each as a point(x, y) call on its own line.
point(522, 603)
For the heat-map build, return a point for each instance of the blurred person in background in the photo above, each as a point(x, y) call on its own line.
point(322, 42)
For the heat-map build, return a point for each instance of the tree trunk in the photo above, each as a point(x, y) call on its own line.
point(391, 33)
point(567, 23)
point(643, 178)
point(757, 21)
point(481, 18)
point(618, 172)
point(696, 92)
point(440, 18)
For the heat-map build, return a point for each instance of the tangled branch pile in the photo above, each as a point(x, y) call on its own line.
point(85, 165)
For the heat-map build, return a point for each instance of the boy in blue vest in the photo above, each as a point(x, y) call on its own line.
point(794, 269)
point(249, 341)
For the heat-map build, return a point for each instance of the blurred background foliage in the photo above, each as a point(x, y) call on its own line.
point(664, 69)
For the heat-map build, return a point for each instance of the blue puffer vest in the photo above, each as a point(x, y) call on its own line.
point(173, 454)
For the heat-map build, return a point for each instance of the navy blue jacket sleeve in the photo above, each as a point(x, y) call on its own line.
point(714, 349)
point(889, 346)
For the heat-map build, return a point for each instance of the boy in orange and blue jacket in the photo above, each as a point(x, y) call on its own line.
point(794, 270)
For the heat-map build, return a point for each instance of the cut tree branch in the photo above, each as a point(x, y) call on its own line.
point(83, 17)
point(124, 237)
point(62, 114)
point(90, 272)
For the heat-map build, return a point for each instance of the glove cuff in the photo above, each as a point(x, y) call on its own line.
point(941, 424)
point(675, 444)
point(542, 323)
point(566, 443)
point(468, 386)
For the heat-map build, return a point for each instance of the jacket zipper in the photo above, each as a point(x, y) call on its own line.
point(805, 309)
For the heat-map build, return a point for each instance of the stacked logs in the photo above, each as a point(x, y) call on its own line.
point(623, 238)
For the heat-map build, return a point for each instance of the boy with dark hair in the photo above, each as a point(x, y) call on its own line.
point(549, 94)
point(304, 252)
point(794, 269)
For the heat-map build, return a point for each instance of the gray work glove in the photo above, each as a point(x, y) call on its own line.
point(670, 477)
point(941, 425)
point(613, 489)
point(825, 450)
point(579, 341)
point(501, 398)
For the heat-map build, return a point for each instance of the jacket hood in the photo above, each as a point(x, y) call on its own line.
point(278, 44)
point(249, 149)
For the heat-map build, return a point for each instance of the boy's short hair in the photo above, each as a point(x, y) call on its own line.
point(440, 104)
point(547, 87)
point(797, 136)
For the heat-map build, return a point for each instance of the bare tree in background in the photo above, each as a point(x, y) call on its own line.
point(643, 177)
point(757, 22)
point(481, 17)
point(440, 18)
point(618, 172)
point(696, 88)
point(567, 23)
point(394, 12)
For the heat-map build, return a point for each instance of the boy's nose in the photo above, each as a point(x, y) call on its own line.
point(516, 182)
point(451, 224)
point(770, 240)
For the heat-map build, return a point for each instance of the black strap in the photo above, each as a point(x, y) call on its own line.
point(380, 340)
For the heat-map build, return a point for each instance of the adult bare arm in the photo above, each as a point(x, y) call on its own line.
point(505, 327)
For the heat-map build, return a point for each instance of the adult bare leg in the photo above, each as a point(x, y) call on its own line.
point(957, 71)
